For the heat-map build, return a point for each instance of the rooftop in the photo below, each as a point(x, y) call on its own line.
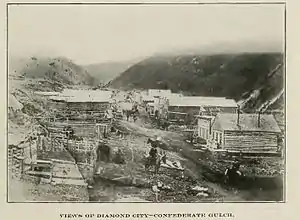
point(159, 92)
point(88, 99)
point(247, 122)
point(84, 92)
point(205, 116)
point(47, 93)
point(72, 95)
point(202, 101)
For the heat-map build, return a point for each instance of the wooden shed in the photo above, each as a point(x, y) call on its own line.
point(245, 132)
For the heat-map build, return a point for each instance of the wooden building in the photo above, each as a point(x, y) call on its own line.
point(204, 124)
point(180, 106)
point(100, 104)
point(82, 100)
point(245, 132)
point(146, 99)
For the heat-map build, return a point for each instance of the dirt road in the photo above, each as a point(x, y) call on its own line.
point(140, 131)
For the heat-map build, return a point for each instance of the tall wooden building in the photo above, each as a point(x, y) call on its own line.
point(211, 106)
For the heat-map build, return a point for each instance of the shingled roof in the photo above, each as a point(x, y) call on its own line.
point(247, 122)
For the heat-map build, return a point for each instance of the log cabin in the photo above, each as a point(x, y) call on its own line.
point(245, 133)
point(101, 104)
point(83, 100)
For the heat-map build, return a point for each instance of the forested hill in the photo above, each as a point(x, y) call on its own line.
point(231, 75)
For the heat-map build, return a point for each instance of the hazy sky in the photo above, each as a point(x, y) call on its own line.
point(99, 33)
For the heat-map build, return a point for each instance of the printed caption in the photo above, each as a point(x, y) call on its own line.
point(209, 215)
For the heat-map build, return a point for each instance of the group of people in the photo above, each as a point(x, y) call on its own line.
point(232, 173)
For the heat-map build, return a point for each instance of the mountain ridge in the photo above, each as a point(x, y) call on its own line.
point(234, 76)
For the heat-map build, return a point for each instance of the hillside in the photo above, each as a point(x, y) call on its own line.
point(105, 72)
point(234, 76)
point(58, 69)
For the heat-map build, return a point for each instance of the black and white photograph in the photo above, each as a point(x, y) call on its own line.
point(146, 103)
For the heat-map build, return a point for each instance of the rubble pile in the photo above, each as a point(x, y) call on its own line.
point(172, 188)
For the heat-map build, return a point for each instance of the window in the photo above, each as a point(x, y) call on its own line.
point(221, 138)
point(217, 136)
point(201, 132)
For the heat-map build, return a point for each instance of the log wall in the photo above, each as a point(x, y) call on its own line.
point(250, 141)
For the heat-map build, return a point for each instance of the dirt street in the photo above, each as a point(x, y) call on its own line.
point(106, 190)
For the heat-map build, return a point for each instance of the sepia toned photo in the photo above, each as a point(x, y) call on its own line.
point(146, 103)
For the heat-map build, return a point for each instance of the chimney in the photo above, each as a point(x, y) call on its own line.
point(258, 119)
point(238, 116)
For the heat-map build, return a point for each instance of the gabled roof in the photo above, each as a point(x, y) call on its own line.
point(72, 95)
point(84, 92)
point(247, 122)
point(202, 101)
point(88, 99)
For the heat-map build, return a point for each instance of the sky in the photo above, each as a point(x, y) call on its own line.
point(101, 33)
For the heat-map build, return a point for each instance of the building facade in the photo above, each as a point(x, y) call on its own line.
point(194, 105)
point(245, 132)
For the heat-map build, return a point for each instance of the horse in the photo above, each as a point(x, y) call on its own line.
point(131, 113)
point(149, 162)
point(164, 124)
point(232, 176)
